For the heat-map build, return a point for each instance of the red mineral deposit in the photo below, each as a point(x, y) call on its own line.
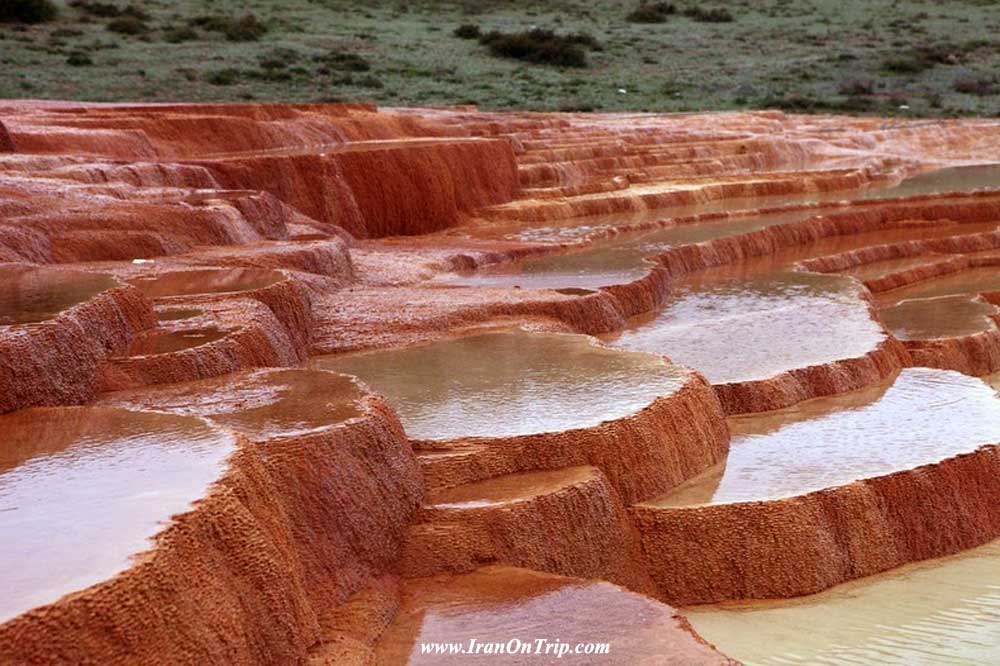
point(330, 384)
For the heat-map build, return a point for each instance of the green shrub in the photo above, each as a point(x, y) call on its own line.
point(794, 102)
point(278, 58)
point(211, 22)
point(270, 75)
point(61, 33)
point(904, 66)
point(971, 85)
point(128, 25)
point(541, 46)
point(109, 10)
point(653, 12)
point(944, 54)
point(802, 103)
point(98, 9)
point(370, 82)
point(132, 10)
point(27, 11)
point(855, 104)
point(898, 98)
point(585, 39)
point(467, 31)
point(715, 15)
point(247, 28)
point(344, 62)
point(77, 59)
point(913, 61)
point(223, 77)
point(176, 35)
point(856, 87)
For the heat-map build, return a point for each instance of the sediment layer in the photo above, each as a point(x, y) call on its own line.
point(569, 522)
point(255, 338)
point(815, 381)
point(56, 362)
point(512, 605)
point(642, 455)
point(801, 545)
point(421, 188)
point(295, 525)
point(307, 546)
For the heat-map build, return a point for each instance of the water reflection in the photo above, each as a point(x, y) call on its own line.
point(30, 294)
point(938, 613)
point(510, 383)
point(923, 416)
point(82, 489)
point(206, 281)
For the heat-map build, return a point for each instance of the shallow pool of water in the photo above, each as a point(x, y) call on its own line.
point(924, 416)
point(576, 228)
point(178, 314)
point(938, 613)
point(617, 261)
point(951, 179)
point(621, 260)
point(850, 242)
point(82, 490)
point(501, 604)
point(509, 383)
point(260, 403)
point(939, 317)
point(164, 342)
point(738, 328)
point(31, 294)
point(508, 488)
point(879, 269)
point(973, 281)
point(206, 281)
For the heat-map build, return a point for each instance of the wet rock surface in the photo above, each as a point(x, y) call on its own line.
point(938, 612)
point(829, 442)
point(83, 489)
point(328, 383)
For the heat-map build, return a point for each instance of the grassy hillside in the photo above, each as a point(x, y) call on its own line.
point(881, 56)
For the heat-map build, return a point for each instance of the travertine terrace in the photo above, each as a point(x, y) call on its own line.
point(328, 383)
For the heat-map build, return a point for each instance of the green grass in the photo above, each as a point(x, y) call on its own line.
point(793, 54)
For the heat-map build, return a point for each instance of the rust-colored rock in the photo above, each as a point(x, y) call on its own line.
point(298, 522)
point(817, 540)
point(195, 259)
